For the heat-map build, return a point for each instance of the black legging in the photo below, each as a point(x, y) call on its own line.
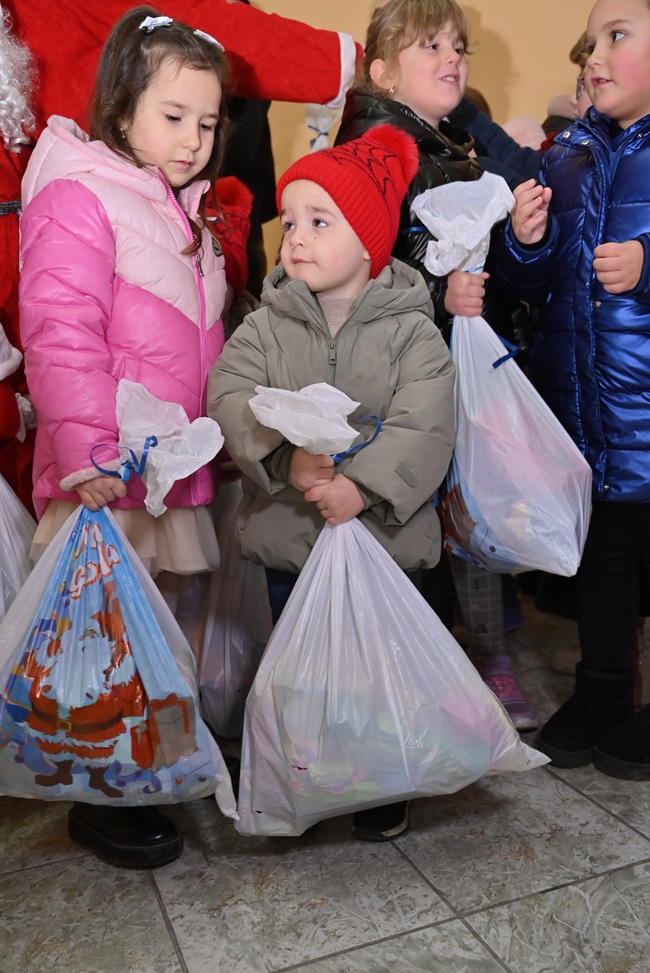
point(615, 559)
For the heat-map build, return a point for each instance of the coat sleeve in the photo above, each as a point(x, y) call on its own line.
point(408, 460)
point(271, 56)
point(231, 385)
point(518, 162)
point(526, 272)
point(66, 296)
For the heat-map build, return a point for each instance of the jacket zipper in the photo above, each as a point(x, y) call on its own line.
point(203, 341)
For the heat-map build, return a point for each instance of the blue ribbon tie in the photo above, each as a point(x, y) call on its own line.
point(129, 466)
point(337, 457)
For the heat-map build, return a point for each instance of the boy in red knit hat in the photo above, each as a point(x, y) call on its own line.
point(339, 309)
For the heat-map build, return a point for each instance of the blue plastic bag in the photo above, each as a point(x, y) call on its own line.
point(98, 697)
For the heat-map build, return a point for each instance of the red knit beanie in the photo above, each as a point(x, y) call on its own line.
point(367, 178)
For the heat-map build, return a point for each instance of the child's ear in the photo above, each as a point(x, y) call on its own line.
point(381, 75)
point(366, 256)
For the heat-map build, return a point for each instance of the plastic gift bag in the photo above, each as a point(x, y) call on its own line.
point(363, 698)
point(98, 684)
point(237, 624)
point(16, 533)
point(181, 446)
point(518, 491)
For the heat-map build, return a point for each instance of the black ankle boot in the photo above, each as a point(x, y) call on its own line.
point(129, 837)
point(600, 702)
point(624, 752)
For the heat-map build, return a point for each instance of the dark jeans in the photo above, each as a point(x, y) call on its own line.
point(280, 585)
point(615, 563)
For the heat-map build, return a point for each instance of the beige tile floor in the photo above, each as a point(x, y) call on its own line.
point(545, 872)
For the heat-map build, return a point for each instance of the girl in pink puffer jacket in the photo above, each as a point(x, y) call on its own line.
point(122, 278)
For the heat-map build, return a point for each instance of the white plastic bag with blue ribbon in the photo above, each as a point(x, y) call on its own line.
point(518, 491)
point(362, 696)
point(98, 687)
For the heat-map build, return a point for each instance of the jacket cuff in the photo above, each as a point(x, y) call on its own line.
point(642, 290)
point(278, 463)
point(75, 479)
point(351, 53)
point(526, 250)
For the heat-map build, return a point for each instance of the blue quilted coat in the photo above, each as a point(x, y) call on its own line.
point(591, 357)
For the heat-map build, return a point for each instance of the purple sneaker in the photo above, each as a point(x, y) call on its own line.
point(498, 676)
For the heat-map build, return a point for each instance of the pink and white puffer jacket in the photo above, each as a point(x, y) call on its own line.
point(105, 294)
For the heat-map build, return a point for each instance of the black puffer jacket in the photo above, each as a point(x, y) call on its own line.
point(443, 158)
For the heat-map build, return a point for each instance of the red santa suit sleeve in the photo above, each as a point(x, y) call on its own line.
point(272, 57)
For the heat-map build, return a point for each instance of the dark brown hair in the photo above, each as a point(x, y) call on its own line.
point(130, 59)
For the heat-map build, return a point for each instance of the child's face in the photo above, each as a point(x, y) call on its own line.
point(174, 123)
point(430, 77)
point(618, 69)
point(319, 246)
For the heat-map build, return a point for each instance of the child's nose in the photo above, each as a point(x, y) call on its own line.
point(297, 237)
point(192, 139)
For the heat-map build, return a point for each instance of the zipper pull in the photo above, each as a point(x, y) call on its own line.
point(332, 353)
point(198, 262)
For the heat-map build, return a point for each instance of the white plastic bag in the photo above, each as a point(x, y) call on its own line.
point(518, 490)
point(98, 688)
point(363, 698)
point(16, 533)
point(314, 417)
point(237, 624)
point(182, 448)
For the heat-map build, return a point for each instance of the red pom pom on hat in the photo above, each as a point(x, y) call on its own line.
point(367, 178)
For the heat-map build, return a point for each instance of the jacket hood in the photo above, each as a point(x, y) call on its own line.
point(397, 290)
point(64, 151)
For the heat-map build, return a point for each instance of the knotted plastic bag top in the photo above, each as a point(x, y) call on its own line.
point(460, 215)
point(314, 417)
point(182, 446)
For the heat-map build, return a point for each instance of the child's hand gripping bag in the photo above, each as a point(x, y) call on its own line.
point(518, 492)
point(363, 698)
point(236, 624)
point(16, 533)
point(98, 690)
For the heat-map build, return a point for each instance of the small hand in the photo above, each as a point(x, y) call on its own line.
point(618, 266)
point(529, 216)
point(465, 293)
point(100, 491)
point(308, 470)
point(338, 501)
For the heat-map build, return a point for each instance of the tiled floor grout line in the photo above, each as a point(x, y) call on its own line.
point(374, 942)
point(549, 770)
point(590, 877)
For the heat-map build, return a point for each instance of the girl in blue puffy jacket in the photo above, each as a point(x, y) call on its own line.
point(578, 246)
